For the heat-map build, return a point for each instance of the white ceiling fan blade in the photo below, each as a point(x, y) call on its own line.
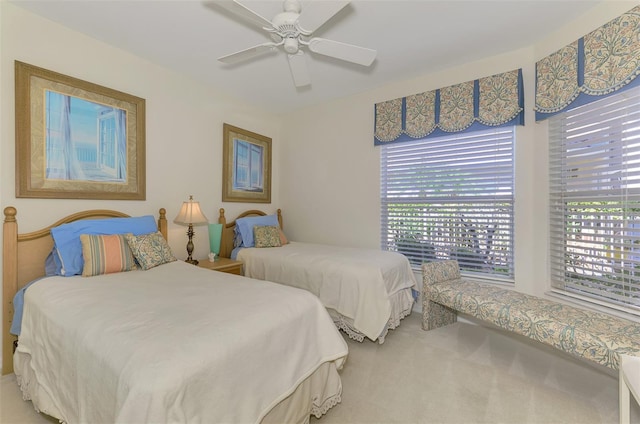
point(299, 69)
point(317, 13)
point(249, 53)
point(244, 12)
point(343, 51)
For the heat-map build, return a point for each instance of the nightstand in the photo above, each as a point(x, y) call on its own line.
point(222, 264)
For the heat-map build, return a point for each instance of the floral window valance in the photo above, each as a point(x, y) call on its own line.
point(493, 101)
point(602, 62)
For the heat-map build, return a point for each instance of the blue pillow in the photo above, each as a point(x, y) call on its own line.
point(245, 226)
point(66, 237)
point(52, 265)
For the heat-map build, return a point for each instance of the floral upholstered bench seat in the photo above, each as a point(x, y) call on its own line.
point(595, 336)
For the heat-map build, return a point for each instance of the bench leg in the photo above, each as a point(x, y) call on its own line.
point(625, 401)
point(435, 315)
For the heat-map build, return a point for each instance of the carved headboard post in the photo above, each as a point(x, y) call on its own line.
point(162, 223)
point(280, 219)
point(226, 239)
point(10, 283)
point(222, 219)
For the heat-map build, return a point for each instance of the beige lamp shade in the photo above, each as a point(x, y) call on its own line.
point(190, 213)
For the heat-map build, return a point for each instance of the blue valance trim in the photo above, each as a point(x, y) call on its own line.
point(603, 62)
point(489, 102)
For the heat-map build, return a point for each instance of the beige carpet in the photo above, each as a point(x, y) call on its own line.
point(462, 373)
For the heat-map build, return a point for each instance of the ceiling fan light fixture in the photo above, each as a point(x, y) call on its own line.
point(291, 45)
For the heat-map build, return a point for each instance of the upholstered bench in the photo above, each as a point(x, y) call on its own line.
point(595, 336)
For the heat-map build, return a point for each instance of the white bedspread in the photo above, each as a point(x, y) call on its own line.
point(175, 343)
point(355, 282)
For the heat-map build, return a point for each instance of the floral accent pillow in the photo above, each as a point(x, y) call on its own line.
point(266, 236)
point(105, 254)
point(150, 250)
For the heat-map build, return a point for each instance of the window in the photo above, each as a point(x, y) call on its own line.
point(594, 161)
point(451, 198)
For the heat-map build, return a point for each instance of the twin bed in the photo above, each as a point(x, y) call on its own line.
point(367, 292)
point(173, 342)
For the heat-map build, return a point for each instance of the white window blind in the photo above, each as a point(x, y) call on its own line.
point(594, 161)
point(451, 198)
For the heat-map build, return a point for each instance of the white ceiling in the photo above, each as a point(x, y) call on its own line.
point(412, 38)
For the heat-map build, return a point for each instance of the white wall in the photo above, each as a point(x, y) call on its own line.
point(330, 167)
point(183, 126)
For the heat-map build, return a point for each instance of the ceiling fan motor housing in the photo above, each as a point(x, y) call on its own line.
point(286, 28)
point(285, 22)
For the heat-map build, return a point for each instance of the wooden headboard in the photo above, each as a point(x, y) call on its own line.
point(23, 258)
point(226, 240)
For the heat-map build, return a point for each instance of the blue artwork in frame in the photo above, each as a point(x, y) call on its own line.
point(246, 166)
point(76, 139)
point(85, 141)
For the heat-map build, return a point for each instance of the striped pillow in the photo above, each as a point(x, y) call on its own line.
point(105, 254)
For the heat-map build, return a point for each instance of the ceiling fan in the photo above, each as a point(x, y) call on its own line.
point(292, 29)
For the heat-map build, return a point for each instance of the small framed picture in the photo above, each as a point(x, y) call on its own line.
point(246, 166)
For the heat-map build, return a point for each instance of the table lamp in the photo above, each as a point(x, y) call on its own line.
point(190, 214)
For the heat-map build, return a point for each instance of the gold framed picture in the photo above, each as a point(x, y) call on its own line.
point(77, 140)
point(246, 166)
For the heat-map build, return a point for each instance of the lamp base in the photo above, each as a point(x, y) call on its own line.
point(189, 259)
